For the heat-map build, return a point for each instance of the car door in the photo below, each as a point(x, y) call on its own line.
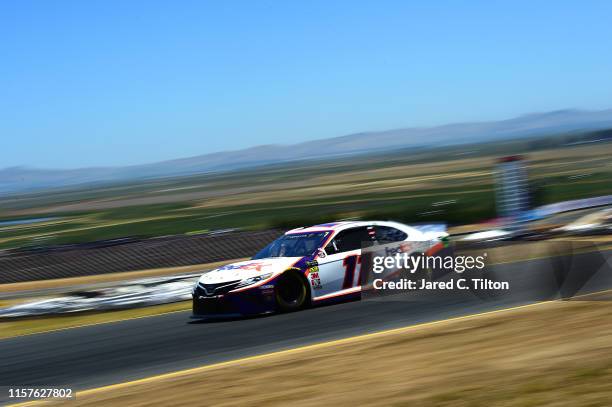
point(340, 268)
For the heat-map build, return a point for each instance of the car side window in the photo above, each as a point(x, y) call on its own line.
point(347, 240)
point(387, 234)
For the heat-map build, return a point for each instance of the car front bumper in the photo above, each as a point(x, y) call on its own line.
point(253, 301)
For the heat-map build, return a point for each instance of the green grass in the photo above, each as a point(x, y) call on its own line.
point(18, 327)
point(472, 205)
point(474, 196)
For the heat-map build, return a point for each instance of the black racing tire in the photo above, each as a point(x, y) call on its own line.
point(292, 292)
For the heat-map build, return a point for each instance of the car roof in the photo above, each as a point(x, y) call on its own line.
point(341, 225)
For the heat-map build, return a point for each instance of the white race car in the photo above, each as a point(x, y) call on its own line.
point(305, 266)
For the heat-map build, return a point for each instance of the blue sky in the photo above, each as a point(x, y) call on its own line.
point(101, 83)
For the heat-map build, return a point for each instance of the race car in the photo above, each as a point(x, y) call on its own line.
point(305, 266)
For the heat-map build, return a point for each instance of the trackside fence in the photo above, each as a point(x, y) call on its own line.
point(129, 255)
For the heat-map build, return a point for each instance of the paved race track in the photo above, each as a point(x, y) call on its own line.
point(109, 353)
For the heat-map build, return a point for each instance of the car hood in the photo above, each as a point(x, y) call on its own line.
point(248, 269)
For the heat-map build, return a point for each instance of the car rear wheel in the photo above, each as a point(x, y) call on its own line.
point(291, 292)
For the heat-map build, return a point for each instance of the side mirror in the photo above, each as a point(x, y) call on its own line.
point(321, 253)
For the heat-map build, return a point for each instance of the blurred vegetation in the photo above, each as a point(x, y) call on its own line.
point(448, 184)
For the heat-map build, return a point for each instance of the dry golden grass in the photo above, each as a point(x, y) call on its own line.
point(554, 354)
point(467, 172)
point(393, 178)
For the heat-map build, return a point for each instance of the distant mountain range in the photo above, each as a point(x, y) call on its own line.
point(23, 179)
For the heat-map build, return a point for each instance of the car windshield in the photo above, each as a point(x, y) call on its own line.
point(293, 245)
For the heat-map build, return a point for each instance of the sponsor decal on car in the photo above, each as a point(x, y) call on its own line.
point(249, 266)
point(312, 266)
point(315, 280)
point(312, 270)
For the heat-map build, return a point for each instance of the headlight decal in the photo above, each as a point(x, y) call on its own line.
point(252, 280)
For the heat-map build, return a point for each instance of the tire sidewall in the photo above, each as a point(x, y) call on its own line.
point(283, 306)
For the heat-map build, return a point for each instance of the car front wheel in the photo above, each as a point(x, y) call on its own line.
point(291, 292)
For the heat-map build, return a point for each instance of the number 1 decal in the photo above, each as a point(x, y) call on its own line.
point(350, 265)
